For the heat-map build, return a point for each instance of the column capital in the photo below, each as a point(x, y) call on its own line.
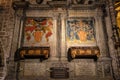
point(19, 13)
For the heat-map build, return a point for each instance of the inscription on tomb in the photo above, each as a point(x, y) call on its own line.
point(34, 69)
point(85, 68)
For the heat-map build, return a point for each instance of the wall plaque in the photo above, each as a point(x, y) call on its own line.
point(59, 72)
point(34, 69)
point(85, 68)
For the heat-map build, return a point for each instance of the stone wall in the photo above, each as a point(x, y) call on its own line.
point(6, 32)
point(6, 25)
point(9, 26)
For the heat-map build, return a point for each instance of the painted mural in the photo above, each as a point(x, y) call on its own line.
point(38, 31)
point(80, 31)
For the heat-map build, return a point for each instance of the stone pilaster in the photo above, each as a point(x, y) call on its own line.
point(63, 36)
point(53, 53)
point(101, 42)
point(14, 44)
point(17, 26)
point(104, 60)
point(20, 33)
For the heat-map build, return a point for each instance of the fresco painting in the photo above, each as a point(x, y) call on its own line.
point(37, 31)
point(80, 31)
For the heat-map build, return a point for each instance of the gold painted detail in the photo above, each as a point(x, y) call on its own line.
point(84, 51)
point(22, 52)
point(39, 51)
point(117, 8)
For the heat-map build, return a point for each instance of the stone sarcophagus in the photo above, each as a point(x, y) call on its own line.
point(32, 53)
point(83, 52)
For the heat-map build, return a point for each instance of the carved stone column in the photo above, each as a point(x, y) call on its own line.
point(59, 36)
point(63, 40)
point(53, 54)
point(16, 33)
point(19, 7)
point(59, 16)
point(14, 45)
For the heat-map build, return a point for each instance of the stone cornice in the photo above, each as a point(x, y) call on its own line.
point(55, 4)
point(40, 7)
point(82, 7)
point(86, 7)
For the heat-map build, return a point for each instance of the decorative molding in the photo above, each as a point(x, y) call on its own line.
point(87, 4)
point(40, 7)
point(56, 4)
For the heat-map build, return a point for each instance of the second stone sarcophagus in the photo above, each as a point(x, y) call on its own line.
point(83, 52)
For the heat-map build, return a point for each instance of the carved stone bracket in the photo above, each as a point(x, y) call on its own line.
point(20, 13)
point(20, 5)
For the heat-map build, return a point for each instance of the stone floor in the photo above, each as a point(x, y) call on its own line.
point(29, 68)
point(75, 78)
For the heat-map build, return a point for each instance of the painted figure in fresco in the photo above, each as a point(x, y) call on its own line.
point(82, 32)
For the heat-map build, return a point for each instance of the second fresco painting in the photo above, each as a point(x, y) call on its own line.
point(80, 30)
point(37, 31)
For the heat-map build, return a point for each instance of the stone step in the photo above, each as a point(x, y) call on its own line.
point(70, 78)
